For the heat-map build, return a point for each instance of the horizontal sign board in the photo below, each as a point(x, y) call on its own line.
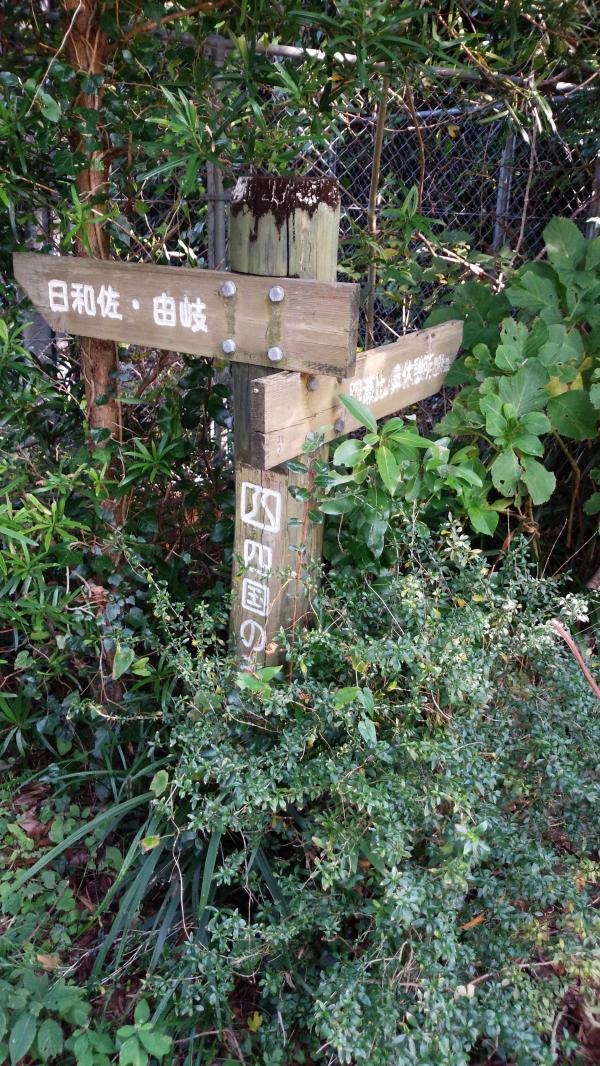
point(305, 325)
point(286, 407)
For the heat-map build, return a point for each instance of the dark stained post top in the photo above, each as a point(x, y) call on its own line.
point(285, 226)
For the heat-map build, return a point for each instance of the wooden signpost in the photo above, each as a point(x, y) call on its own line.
point(280, 310)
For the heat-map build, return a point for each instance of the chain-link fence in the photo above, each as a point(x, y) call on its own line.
point(483, 182)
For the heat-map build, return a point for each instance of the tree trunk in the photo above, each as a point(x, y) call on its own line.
point(86, 50)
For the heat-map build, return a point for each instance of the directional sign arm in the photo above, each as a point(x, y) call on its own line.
point(307, 325)
point(287, 407)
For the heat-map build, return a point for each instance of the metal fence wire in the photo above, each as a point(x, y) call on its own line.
point(480, 176)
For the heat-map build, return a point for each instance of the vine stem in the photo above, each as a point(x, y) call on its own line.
point(568, 639)
point(575, 493)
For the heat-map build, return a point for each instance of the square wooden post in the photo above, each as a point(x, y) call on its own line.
point(279, 227)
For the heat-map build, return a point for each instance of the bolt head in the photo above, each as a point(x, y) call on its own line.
point(229, 346)
point(276, 294)
point(275, 354)
point(310, 435)
point(313, 383)
point(339, 425)
point(228, 288)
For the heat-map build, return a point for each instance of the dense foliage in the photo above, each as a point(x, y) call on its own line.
point(385, 851)
point(389, 855)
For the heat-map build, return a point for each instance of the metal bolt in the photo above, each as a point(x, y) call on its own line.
point(275, 354)
point(228, 288)
point(228, 346)
point(276, 294)
point(310, 435)
point(339, 424)
point(313, 383)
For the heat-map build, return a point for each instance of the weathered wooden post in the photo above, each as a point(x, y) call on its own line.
point(279, 227)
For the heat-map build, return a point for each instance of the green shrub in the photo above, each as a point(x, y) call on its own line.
point(531, 379)
point(400, 843)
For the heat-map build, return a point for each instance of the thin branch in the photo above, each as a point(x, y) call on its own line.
point(568, 639)
point(410, 103)
point(208, 6)
point(575, 493)
point(55, 56)
point(372, 209)
point(532, 159)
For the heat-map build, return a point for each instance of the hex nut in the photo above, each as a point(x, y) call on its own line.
point(229, 346)
point(275, 354)
point(276, 294)
point(228, 288)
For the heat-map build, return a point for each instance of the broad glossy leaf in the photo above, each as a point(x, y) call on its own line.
point(142, 1012)
point(491, 407)
point(345, 696)
point(349, 453)
point(158, 785)
point(534, 292)
point(388, 468)
point(338, 505)
point(21, 1037)
point(483, 519)
point(528, 443)
point(562, 346)
point(525, 390)
point(573, 415)
point(367, 731)
point(505, 471)
point(510, 353)
point(132, 1053)
point(49, 1039)
point(123, 659)
point(359, 411)
point(564, 242)
point(536, 422)
point(157, 1044)
point(540, 482)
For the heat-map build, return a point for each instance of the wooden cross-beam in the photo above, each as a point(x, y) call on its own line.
point(286, 408)
point(285, 322)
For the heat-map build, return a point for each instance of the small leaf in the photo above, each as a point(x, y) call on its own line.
point(388, 468)
point(367, 731)
point(49, 106)
point(345, 696)
point(359, 411)
point(123, 659)
point(255, 1022)
point(158, 1044)
point(158, 785)
point(141, 1012)
point(132, 1053)
point(149, 843)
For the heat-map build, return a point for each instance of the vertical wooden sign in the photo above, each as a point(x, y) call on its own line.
point(279, 227)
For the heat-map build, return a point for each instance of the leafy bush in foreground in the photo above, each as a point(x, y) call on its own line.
point(531, 377)
point(402, 841)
